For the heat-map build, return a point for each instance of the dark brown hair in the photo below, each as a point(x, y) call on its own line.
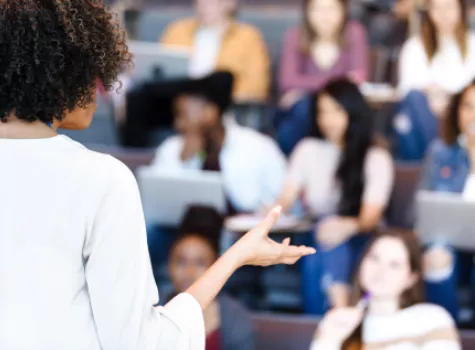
point(429, 33)
point(308, 34)
point(412, 296)
point(450, 124)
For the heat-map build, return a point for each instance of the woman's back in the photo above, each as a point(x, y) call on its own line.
point(55, 195)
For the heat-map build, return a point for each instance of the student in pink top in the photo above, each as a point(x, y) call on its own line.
point(326, 46)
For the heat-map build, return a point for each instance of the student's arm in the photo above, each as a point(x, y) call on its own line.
point(295, 177)
point(254, 83)
point(413, 69)
point(379, 181)
point(120, 280)
point(169, 156)
point(359, 51)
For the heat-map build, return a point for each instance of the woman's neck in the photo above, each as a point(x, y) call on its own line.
point(220, 25)
point(15, 128)
point(383, 307)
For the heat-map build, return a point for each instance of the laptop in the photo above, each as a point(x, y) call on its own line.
point(154, 61)
point(166, 196)
point(445, 218)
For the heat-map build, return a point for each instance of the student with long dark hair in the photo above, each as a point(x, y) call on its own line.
point(388, 310)
point(344, 179)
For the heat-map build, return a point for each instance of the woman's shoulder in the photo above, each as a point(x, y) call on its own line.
point(378, 154)
point(99, 168)
point(293, 33)
point(313, 145)
point(440, 148)
point(413, 45)
point(428, 316)
point(353, 28)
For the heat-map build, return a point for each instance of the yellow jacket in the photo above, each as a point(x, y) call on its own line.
point(243, 53)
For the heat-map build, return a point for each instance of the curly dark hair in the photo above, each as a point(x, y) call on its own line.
point(53, 53)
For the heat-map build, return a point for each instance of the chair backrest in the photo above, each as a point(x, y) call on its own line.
point(400, 210)
point(133, 158)
point(282, 332)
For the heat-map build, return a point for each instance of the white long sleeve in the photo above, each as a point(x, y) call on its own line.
point(74, 261)
point(119, 275)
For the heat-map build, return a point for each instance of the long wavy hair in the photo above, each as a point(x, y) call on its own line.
point(410, 297)
point(430, 38)
point(450, 124)
point(359, 137)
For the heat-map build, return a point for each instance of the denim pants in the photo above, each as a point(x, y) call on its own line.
point(293, 125)
point(326, 267)
point(415, 127)
point(444, 292)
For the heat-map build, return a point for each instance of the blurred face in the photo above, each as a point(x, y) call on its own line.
point(326, 17)
point(385, 272)
point(211, 12)
point(445, 14)
point(193, 114)
point(80, 118)
point(189, 260)
point(467, 114)
point(332, 119)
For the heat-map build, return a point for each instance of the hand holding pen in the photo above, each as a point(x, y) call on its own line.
point(338, 324)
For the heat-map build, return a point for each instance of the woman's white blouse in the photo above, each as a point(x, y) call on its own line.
point(74, 266)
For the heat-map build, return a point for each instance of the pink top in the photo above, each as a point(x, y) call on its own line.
point(298, 71)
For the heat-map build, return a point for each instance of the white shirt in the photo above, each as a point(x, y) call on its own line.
point(448, 69)
point(74, 266)
point(419, 327)
point(252, 166)
point(206, 48)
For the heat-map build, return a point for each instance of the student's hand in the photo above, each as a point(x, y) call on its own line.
point(256, 248)
point(290, 98)
point(335, 230)
point(338, 324)
point(193, 144)
point(438, 100)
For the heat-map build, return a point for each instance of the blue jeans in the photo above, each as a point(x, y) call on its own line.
point(444, 292)
point(293, 125)
point(415, 127)
point(159, 240)
point(326, 267)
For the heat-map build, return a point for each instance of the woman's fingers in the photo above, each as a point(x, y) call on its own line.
point(291, 254)
point(266, 225)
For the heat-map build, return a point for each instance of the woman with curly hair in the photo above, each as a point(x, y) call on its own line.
point(74, 264)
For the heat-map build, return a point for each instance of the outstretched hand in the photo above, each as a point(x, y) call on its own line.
point(256, 248)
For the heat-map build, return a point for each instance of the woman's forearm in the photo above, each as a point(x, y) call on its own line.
point(210, 284)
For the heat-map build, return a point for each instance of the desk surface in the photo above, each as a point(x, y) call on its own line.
point(288, 225)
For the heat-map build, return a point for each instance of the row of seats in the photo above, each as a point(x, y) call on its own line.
point(149, 25)
point(283, 332)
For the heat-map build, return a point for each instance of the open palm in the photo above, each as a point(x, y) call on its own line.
point(256, 248)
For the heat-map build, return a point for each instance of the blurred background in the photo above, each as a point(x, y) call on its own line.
point(355, 115)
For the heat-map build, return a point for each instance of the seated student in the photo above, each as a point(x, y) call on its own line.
point(344, 179)
point(390, 313)
point(450, 167)
point(326, 46)
point(228, 325)
point(207, 142)
point(218, 41)
point(433, 66)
